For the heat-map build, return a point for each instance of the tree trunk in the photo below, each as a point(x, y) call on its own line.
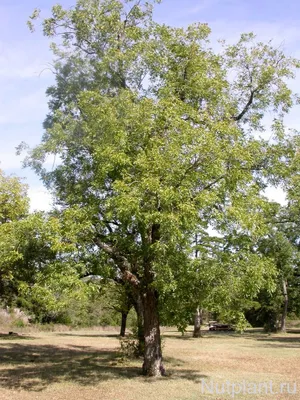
point(285, 306)
point(153, 365)
point(123, 323)
point(139, 309)
point(197, 323)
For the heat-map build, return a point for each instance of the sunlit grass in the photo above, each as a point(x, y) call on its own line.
point(87, 365)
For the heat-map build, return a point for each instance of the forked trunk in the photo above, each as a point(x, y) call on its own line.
point(285, 306)
point(197, 323)
point(123, 323)
point(153, 365)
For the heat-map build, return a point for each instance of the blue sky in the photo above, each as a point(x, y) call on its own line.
point(24, 58)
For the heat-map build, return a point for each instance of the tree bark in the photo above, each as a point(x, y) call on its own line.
point(123, 323)
point(285, 306)
point(197, 323)
point(139, 309)
point(153, 365)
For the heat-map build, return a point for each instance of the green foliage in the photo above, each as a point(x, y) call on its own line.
point(278, 245)
point(14, 205)
point(54, 288)
point(147, 163)
point(129, 347)
point(58, 295)
point(19, 323)
point(267, 310)
point(14, 202)
point(225, 278)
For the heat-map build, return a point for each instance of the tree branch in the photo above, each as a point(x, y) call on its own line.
point(120, 260)
point(247, 106)
point(209, 185)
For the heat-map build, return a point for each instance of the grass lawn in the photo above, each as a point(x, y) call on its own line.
point(86, 365)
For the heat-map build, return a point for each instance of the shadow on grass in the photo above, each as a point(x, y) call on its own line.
point(15, 336)
point(204, 335)
point(174, 373)
point(34, 367)
point(194, 376)
point(256, 335)
point(99, 335)
point(283, 342)
point(293, 330)
point(184, 337)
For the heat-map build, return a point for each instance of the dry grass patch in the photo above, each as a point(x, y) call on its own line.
point(86, 365)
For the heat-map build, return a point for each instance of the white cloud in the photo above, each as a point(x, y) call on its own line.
point(8, 159)
point(28, 107)
point(282, 33)
point(40, 199)
point(201, 6)
point(276, 194)
point(13, 69)
point(29, 71)
point(21, 59)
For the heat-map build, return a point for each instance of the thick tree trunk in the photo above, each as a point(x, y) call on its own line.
point(197, 323)
point(285, 306)
point(153, 365)
point(139, 309)
point(123, 323)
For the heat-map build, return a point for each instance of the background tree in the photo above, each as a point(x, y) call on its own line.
point(14, 205)
point(14, 201)
point(278, 247)
point(225, 279)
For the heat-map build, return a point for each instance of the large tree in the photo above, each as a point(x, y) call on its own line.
point(154, 133)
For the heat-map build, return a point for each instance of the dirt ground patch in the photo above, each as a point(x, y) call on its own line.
point(86, 365)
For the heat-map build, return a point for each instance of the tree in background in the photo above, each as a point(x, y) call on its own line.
point(14, 206)
point(31, 246)
point(155, 136)
point(14, 201)
point(225, 279)
point(282, 244)
point(284, 254)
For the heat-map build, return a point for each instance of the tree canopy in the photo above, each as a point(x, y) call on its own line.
point(156, 135)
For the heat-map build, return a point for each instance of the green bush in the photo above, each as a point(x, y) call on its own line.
point(18, 323)
point(129, 347)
